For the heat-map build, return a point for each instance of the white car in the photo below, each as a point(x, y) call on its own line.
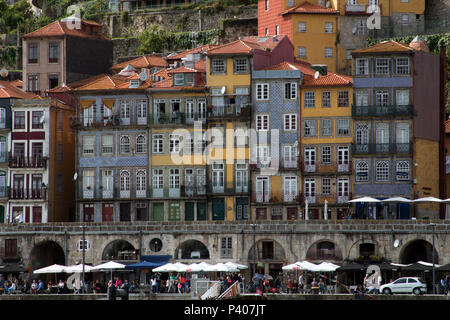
point(405, 285)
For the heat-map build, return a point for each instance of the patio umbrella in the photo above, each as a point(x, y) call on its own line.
point(194, 267)
point(236, 265)
point(445, 268)
point(428, 199)
point(291, 267)
point(306, 265)
point(221, 267)
point(327, 267)
point(364, 199)
point(396, 199)
point(55, 268)
point(77, 268)
point(111, 265)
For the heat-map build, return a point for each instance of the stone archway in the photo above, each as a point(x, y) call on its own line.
point(191, 249)
point(267, 256)
point(119, 250)
point(324, 250)
point(418, 250)
point(45, 254)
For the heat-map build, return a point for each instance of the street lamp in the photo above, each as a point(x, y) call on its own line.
point(254, 248)
point(84, 255)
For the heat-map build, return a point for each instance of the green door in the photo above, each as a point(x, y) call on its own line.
point(174, 211)
point(201, 211)
point(218, 208)
point(189, 211)
point(158, 212)
point(2, 214)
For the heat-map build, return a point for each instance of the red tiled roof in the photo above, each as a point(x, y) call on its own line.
point(17, 83)
point(9, 90)
point(331, 79)
point(204, 48)
point(236, 47)
point(307, 7)
point(142, 62)
point(386, 47)
point(265, 42)
point(103, 82)
point(60, 28)
point(304, 67)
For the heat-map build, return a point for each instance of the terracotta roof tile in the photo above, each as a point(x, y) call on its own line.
point(331, 79)
point(386, 47)
point(60, 28)
point(17, 83)
point(307, 7)
point(264, 42)
point(142, 62)
point(8, 90)
point(236, 47)
point(204, 48)
point(297, 65)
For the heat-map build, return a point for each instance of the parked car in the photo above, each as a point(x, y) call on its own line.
point(405, 285)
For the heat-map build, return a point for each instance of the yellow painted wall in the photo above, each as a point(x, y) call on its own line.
point(427, 173)
point(387, 7)
point(229, 80)
point(315, 39)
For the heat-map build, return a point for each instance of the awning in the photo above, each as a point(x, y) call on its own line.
point(12, 268)
point(109, 103)
point(445, 268)
point(150, 262)
point(86, 103)
point(352, 267)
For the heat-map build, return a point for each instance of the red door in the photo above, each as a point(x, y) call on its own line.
point(107, 212)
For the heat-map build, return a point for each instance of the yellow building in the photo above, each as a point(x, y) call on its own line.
point(326, 136)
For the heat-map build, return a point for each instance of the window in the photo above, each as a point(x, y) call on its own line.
point(125, 111)
point(343, 127)
point(174, 143)
point(290, 3)
point(107, 144)
point(262, 154)
point(36, 122)
point(402, 97)
point(326, 186)
point(178, 79)
point(240, 65)
point(277, 213)
point(290, 90)
point(326, 127)
point(326, 99)
point(59, 151)
point(158, 143)
point(402, 65)
point(290, 122)
point(141, 144)
point(405, 19)
point(125, 143)
point(107, 212)
point(362, 67)
point(277, 30)
point(362, 171)
point(218, 66)
point(266, 31)
point(402, 171)
point(174, 179)
point(361, 27)
point(309, 99)
point(83, 245)
point(382, 171)
point(382, 97)
point(343, 99)
point(189, 78)
point(382, 66)
point(326, 154)
point(309, 128)
point(158, 179)
point(266, 4)
point(19, 120)
point(88, 145)
point(33, 83)
point(226, 247)
point(33, 54)
point(53, 52)
point(348, 54)
point(328, 27)
point(328, 52)
point(301, 52)
point(301, 27)
point(141, 183)
point(362, 98)
point(262, 91)
point(262, 122)
point(124, 180)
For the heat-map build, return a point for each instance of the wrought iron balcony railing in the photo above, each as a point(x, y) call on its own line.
point(27, 193)
point(382, 148)
point(382, 111)
point(27, 162)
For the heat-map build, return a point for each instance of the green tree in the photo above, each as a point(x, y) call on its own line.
point(152, 40)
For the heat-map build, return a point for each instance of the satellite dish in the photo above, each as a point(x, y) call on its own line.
point(75, 176)
point(3, 72)
point(42, 119)
point(143, 76)
point(396, 243)
point(223, 90)
point(316, 74)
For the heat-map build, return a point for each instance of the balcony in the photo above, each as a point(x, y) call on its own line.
point(183, 191)
point(382, 111)
point(263, 197)
point(382, 148)
point(27, 194)
point(290, 163)
point(334, 167)
point(169, 118)
point(229, 112)
point(28, 162)
point(355, 9)
point(111, 121)
point(3, 157)
point(261, 164)
point(236, 188)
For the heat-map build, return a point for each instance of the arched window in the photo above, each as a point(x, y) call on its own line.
point(124, 181)
point(362, 171)
point(141, 144)
point(124, 144)
point(141, 181)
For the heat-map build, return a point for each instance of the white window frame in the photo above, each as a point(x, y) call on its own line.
point(402, 166)
point(362, 166)
point(106, 146)
point(262, 122)
point(361, 66)
point(401, 67)
point(326, 154)
point(328, 27)
point(326, 187)
point(262, 91)
point(301, 52)
point(88, 145)
point(342, 127)
point(301, 27)
point(328, 52)
point(125, 147)
point(382, 66)
point(382, 170)
point(141, 146)
point(329, 129)
point(309, 99)
point(218, 65)
point(158, 143)
point(290, 90)
point(290, 121)
point(311, 125)
point(174, 143)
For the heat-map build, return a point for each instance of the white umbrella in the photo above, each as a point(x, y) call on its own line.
point(55, 268)
point(171, 267)
point(111, 265)
point(291, 267)
point(396, 199)
point(221, 267)
point(365, 199)
point(327, 267)
point(77, 268)
point(194, 267)
point(206, 266)
point(306, 265)
point(428, 264)
point(428, 199)
point(236, 265)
